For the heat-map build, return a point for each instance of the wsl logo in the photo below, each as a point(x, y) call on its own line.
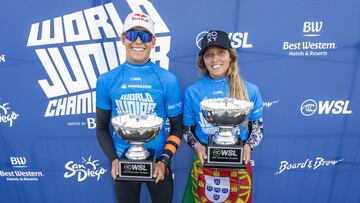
point(76, 48)
point(6, 115)
point(312, 29)
point(309, 107)
point(238, 39)
point(134, 167)
point(225, 152)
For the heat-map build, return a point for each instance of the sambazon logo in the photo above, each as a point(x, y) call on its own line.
point(309, 107)
point(6, 115)
point(313, 164)
point(224, 152)
point(308, 47)
point(72, 52)
point(87, 169)
point(238, 39)
point(135, 167)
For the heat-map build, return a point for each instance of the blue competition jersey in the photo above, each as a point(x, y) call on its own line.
point(140, 89)
point(215, 88)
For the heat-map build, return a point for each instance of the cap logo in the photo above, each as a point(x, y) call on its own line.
point(211, 36)
point(139, 16)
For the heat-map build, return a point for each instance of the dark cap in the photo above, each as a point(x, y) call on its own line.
point(215, 38)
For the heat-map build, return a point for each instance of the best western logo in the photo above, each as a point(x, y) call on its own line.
point(309, 47)
point(224, 152)
point(312, 28)
point(310, 107)
point(18, 162)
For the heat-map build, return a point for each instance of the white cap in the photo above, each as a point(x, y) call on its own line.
point(139, 20)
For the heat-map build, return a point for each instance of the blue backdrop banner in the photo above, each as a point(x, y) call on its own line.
point(303, 55)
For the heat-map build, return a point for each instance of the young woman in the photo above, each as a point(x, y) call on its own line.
point(218, 64)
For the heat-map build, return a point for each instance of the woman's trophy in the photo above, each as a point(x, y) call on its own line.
point(137, 163)
point(224, 148)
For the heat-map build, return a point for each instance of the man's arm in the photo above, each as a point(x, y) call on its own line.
point(103, 133)
point(174, 139)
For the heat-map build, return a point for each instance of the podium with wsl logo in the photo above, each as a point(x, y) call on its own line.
point(137, 163)
point(224, 149)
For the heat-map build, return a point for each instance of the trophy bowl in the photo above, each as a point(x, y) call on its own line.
point(225, 113)
point(137, 130)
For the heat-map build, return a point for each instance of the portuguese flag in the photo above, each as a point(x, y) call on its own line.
point(218, 185)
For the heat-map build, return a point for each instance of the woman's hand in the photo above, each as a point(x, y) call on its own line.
point(201, 152)
point(247, 151)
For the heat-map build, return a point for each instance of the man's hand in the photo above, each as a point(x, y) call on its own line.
point(115, 168)
point(247, 151)
point(159, 171)
point(201, 152)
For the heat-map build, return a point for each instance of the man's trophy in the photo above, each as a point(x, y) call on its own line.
point(224, 148)
point(137, 163)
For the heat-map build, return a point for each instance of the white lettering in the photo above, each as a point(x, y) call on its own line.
point(2, 58)
point(75, 27)
point(97, 18)
point(91, 124)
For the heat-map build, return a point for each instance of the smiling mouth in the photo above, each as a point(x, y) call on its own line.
point(138, 48)
point(216, 66)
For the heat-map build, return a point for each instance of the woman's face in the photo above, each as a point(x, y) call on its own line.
point(217, 61)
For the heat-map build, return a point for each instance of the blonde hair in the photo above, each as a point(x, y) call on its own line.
point(236, 84)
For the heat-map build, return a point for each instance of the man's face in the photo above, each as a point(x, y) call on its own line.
point(138, 52)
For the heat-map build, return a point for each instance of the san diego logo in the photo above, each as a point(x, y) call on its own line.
point(87, 168)
point(6, 115)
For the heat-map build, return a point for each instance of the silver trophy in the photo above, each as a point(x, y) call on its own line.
point(137, 130)
point(224, 149)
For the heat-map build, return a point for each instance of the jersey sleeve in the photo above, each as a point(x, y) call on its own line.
point(102, 94)
point(189, 114)
point(257, 112)
point(173, 102)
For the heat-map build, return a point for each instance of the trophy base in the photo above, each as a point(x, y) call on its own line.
point(225, 156)
point(136, 170)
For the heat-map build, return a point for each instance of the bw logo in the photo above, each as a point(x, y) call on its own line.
point(312, 29)
point(18, 162)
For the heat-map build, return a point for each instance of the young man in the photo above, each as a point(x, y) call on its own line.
point(139, 86)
